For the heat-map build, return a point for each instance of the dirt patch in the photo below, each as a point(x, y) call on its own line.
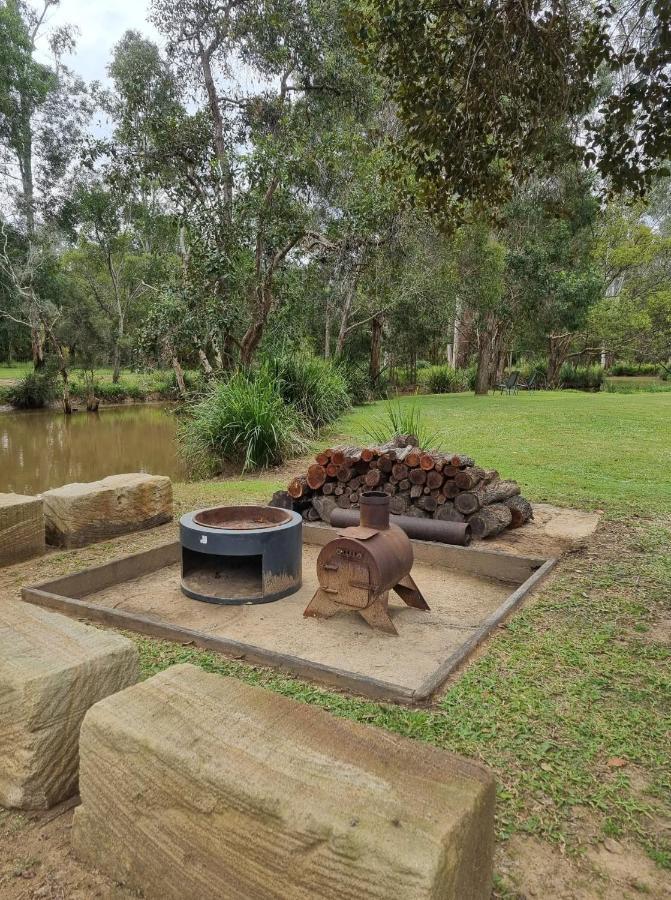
point(37, 862)
point(529, 868)
point(553, 531)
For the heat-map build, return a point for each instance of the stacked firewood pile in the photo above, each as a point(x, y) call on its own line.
point(422, 483)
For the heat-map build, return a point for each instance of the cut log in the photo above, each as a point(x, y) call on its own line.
point(447, 513)
point(417, 476)
point(390, 488)
point(385, 464)
point(427, 461)
point(449, 471)
point(490, 520)
point(400, 471)
point(310, 514)
point(339, 490)
point(462, 461)
point(404, 485)
point(343, 501)
point(282, 500)
point(470, 502)
point(329, 488)
point(373, 478)
point(413, 458)
point(298, 487)
point(323, 458)
point(428, 504)
point(417, 513)
point(467, 479)
point(416, 491)
point(316, 476)
point(332, 470)
point(324, 507)
point(440, 498)
point(399, 504)
point(354, 498)
point(426, 489)
point(450, 488)
point(368, 454)
point(434, 479)
point(345, 473)
point(498, 491)
point(520, 509)
point(356, 482)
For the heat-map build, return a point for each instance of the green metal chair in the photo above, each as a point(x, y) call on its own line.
point(510, 384)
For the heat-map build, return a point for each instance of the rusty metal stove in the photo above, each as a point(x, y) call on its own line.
point(357, 569)
point(237, 555)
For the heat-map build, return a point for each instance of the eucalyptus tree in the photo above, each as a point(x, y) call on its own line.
point(264, 85)
point(43, 108)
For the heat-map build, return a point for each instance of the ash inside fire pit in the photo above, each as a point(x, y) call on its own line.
point(241, 554)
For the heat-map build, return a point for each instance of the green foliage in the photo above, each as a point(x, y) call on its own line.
point(581, 378)
point(358, 382)
point(633, 368)
point(447, 380)
point(315, 387)
point(403, 418)
point(245, 421)
point(35, 391)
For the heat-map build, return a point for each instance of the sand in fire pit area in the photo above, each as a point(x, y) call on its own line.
point(459, 604)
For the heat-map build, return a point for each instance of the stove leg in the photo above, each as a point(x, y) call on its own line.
point(321, 606)
point(377, 614)
point(408, 591)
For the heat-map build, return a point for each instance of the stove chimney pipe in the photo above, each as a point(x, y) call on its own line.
point(374, 506)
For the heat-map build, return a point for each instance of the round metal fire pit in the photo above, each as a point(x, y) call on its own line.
point(239, 555)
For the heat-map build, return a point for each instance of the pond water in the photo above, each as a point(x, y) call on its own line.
point(45, 449)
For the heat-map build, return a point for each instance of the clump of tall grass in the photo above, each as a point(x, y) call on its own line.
point(245, 421)
point(447, 380)
point(315, 386)
point(581, 378)
point(403, 418)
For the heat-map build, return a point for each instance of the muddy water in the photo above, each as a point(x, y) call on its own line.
point(45, 449)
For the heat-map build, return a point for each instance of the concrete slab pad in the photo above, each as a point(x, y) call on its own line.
point(467, 601)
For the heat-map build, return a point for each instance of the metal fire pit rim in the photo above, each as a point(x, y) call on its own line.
point(188, 520)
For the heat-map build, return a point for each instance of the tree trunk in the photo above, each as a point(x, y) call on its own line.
point(375, 367)
point(558, 347)
point(116, 363)
point(179, 375)
point(205, 363)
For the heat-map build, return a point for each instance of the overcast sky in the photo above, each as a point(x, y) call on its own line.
point(101, 24)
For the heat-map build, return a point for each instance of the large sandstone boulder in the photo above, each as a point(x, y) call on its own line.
point(194, 786)
point(52, 670)
point(79, 514)
point(21, 528)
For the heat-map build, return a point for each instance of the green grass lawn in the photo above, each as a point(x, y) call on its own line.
point(15, 371)
point(602, 450)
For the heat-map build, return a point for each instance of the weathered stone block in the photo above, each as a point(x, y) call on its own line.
point(52, 670)
point(79, 514)
point(21, 528)
point(194, 786)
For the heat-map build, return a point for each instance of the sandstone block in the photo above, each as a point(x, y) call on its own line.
point(79, 514)
point(52, 670)
point(194, 786)
point(21, 528)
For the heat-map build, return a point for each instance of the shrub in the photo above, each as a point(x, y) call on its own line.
point(315, 386)
point(581, 378)
point(35, 391)
point(403, 418)
point(633, 368)
point(358, 383)
point(246, 421)
point(446, 380)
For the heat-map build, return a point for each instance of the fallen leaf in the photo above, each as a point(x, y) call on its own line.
point(616, 763)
